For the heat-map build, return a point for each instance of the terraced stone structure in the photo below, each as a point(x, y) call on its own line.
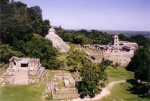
point(57, 41)
point(68, 89)
point(23, 71)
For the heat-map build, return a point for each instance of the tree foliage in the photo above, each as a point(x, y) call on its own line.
point(18, 22)
point(6, 52)
point(93, 78)
point(41, 48)
point(84, 37)
point(76, 60)
point(22, 29)
point(140, 64)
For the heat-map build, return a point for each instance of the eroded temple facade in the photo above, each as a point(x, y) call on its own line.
point(117, 51)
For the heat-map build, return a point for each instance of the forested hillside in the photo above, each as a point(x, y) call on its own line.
point(22, 29)
point(97, 37)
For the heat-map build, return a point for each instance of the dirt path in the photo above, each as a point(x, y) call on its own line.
point(105, 92)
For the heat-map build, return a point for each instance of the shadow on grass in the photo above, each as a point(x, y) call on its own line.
point(142, 90)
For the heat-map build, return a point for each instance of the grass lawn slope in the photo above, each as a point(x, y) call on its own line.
point(31, 92)
point(121, 92)
point(119, 74)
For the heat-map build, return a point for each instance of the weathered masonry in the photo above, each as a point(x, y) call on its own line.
point(117, 51)
point(57, 41)
point(23, 71)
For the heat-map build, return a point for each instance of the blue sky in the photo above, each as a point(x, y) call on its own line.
point(131, 15)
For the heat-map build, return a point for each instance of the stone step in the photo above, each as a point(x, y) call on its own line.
point(21, 80)
point(21, 77)
point(57, 42)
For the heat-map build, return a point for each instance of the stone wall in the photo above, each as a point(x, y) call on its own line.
point(64, 96)
point(6, 78)
point(37, 79)
point(65, 90)
point(122, 59)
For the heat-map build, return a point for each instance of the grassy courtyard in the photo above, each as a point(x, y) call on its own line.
point(122, 92)
point(118, 74)
point(31, 92)
point(36, 92)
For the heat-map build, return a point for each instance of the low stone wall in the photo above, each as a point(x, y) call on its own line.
point(37, 79)
point(6, 78)
point(64, 96)
point(10, 70)
point(122, 59)
point(65, 90)
point(34, 71)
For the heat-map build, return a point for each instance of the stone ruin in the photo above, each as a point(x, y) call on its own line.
point(57, 41)
point(23, 71)
point(64, 92)
point(29, 70)
point(117, 51)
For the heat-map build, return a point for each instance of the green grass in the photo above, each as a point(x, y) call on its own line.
point(31, 92)
point(60, 83)
point(35, 91)
point(120, 92)
point(94, 52)
point(71, 86)
point(119, 74)
point(53, 72)
point(73, 46)
point(62, 56)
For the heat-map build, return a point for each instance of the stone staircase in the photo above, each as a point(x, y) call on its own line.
point(57, 41)
point(21, 76)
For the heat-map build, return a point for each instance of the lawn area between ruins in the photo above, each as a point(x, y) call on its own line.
point(31, 92)
point(122, 92)
point(36, 91)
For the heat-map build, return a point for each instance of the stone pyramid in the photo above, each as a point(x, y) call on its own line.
point(57, 41)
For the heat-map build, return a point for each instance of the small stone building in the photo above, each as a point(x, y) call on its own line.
point(23, 71)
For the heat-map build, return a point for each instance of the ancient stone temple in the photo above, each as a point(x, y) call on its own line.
point(117, 51)
point(57, 41)
point(23, 71)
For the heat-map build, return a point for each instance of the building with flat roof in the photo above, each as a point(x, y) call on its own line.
point(23, 71)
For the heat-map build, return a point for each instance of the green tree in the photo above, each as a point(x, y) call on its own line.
point(6, 52)
point(93, 78)
point(76, 60)
point(18, 22)
point(140, 64)
point(141, 40)
point(106, 62)
point(42, 48)
point(45, 27)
